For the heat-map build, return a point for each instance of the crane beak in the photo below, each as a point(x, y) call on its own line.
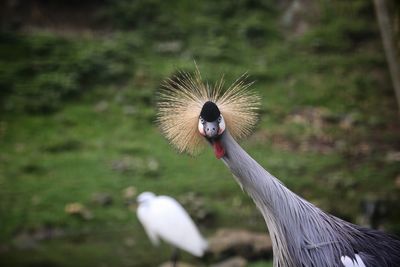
point(213, 132)
point(211, 129)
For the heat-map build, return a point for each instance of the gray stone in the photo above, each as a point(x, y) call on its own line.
point(232, 262)
point(102, 199)
point(233, 242)
point(101, 106)
point(178, 264)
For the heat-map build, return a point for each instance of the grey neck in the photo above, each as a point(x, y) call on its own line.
point(291, 221)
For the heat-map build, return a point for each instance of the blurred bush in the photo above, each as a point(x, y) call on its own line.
point(41, 71)
point(177, 19)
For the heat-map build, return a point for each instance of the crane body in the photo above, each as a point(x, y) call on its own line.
point(302, 234)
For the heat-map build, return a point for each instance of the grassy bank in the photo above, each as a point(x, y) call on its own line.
point(78, 119)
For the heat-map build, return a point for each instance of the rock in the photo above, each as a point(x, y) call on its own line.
point(129, 242)
point(152, 166)
point(232, 262)
point(313, 117)
point(320, 143)
point(393, 156)
point(47, 233)
point(129, 110)
point(79, 210)
point(24, 241)
point(169, 47)
point(178, 264)
point(4, 248)
point(397, 182)
point(129, 193)
point(102, 199)
point(348, 121)
point(73, 208)
point(36, 200)
point(127, 164)
point(101, 106)
point(230, 242)
point(29, 239)
point(20, 147)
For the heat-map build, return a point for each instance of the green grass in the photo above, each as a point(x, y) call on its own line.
point(98, 132)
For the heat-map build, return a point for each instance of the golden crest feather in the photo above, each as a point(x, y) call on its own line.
point(182, 97)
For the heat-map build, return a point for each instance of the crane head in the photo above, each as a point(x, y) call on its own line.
point(212, 125)
point(191, 111)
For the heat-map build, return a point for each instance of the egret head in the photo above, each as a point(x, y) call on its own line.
point(145, 196)
point(191, 111)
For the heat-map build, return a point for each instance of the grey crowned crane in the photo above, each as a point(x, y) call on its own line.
point(303, 235)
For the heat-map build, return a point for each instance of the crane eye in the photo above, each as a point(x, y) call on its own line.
point(202, 120)
point(219, 119)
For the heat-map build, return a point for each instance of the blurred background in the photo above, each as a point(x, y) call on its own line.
point(78, 139)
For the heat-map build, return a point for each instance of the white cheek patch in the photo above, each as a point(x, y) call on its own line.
point(201, 128)
point(221, 126)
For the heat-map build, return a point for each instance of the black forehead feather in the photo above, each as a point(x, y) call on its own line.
point(210, 111)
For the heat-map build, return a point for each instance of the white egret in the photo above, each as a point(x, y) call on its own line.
point(164, 218)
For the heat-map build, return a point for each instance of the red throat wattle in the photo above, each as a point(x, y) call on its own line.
point(219, 151)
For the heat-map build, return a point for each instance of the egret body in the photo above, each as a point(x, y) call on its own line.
point(164, 218)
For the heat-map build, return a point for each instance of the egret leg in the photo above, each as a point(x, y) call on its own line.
point(175, 257)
